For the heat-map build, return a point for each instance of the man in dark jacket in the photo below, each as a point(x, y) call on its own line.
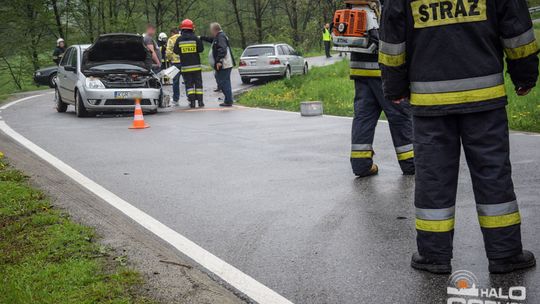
point(223, 61)
point(188, 47)
point(447, 58)
point(59, 51)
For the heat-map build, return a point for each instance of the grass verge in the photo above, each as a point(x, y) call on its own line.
point(331, 84)
point(47, 258)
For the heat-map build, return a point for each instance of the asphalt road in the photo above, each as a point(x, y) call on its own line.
point(210, 83)
point(272, 194)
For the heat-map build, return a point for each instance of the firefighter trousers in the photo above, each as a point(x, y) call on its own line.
point(194, 85)
point(369, 102)
point(437, 143)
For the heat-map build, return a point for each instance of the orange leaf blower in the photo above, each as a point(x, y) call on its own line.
point(352, 25)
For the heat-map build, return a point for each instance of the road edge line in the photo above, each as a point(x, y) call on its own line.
point(228, 273)
point(12, 103)
point(298, 113)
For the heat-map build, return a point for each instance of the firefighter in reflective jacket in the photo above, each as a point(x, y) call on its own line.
point(188, 47)
point(446, 57)
point(369, 102)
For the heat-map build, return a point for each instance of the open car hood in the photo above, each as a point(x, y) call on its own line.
point(117, 48)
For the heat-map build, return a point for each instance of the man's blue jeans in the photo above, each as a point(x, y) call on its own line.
point(223, 78)
point(176, 84)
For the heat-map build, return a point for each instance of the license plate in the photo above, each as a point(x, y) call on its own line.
point(127, 94)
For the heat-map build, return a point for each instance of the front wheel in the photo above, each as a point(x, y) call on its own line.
point(61, 107)
point(246, 80)
point(53, 79)
point(80, 108)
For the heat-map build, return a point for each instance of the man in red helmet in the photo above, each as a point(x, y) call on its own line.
point(188, 46)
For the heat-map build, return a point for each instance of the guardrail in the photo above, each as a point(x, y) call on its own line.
point(535, 9)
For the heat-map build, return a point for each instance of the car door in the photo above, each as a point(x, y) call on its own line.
point(295, 61)
point(71, 73)
point(62, 75)
point(285, 57)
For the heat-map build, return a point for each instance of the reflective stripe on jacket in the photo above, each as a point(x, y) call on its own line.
point(449, 58)
point(364, 65)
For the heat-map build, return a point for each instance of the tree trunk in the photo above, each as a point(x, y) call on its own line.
point(239, 22)
point(57, 18)
point(89, 19)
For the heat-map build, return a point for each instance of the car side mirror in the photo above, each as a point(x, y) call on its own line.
point(70, 68)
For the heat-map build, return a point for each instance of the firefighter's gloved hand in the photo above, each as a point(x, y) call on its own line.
point(523, 91)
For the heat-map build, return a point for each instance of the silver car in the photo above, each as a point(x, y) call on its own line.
point(107, 76)
point(271, 61)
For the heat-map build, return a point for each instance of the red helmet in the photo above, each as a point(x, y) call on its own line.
point(187, 24)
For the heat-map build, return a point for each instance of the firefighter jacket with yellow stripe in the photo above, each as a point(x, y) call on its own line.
point(448, 55)
point(188, 47)
point(366, 65)
point(170, 55)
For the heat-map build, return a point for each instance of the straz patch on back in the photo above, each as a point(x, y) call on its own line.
point(429, 13)
point(188, 48)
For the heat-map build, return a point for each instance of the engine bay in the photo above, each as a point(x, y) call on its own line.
point(122, 80)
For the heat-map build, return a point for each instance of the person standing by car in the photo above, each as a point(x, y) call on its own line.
point(327, 38)
point(174, 59)
point(188, 47)
point(151, 44)
point(162, 45)
point(223, 61)
point(59, 51)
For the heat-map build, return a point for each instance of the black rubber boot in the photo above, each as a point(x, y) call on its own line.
point(430, 265)
point(201, 104)
point(373, 171)
point(523, 260)
point(192, 104)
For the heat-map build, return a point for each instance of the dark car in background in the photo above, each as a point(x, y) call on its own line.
point(46, 76)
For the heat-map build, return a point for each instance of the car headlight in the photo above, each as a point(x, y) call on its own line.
point(94, 83)
point(38, 73)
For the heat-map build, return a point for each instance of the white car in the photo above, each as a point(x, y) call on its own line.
point(271, 61)
point(107, 76)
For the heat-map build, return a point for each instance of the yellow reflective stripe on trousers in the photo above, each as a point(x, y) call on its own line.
point(522, 51)
point(392, 60)
point(365, 73)
point(191, 70)
point(439, 99)
point(362, 154)
point(405, 155)
point(435, 226)
point(500, 221)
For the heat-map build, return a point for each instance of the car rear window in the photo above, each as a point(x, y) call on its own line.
point(259, 51)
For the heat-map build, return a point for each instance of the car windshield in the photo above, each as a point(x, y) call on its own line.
point(116, 66)
point(259, 51)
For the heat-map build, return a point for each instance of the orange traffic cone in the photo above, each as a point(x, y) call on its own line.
point(138, 120)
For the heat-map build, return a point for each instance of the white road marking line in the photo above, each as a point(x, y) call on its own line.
point(9, 104)
point(228, 273)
